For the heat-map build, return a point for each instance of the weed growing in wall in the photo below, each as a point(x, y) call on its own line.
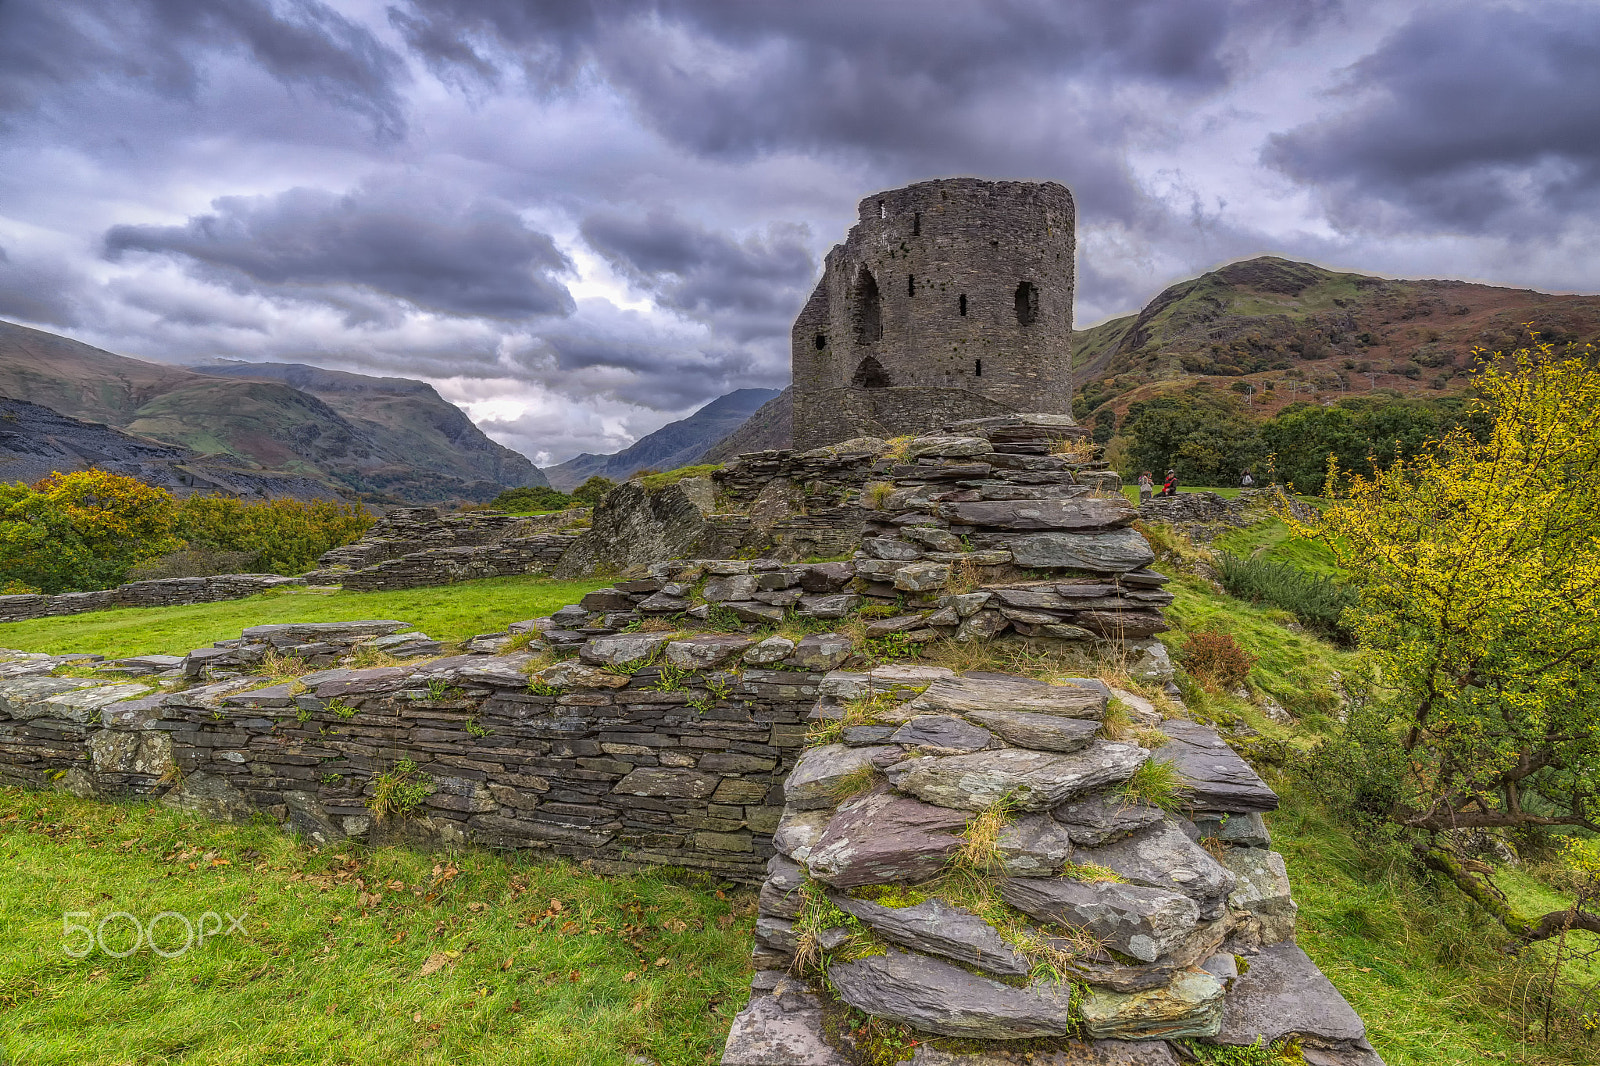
point(399, 791)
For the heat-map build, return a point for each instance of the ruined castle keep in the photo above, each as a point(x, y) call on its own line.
point(949, 299)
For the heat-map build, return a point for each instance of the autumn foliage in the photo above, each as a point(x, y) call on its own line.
point(85, 530)
point(1479, 563)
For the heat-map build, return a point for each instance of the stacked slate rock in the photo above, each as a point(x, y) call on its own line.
point(969, 515)
point(318, 644)
point(1151, 912)
point(755, 592)
point(537, 553)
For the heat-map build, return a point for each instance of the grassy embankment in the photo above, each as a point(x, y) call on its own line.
point(448, 612)
point(1436, 981)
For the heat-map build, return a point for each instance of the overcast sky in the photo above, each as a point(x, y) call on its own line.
point(581, 219)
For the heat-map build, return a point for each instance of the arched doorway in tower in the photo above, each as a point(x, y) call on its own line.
point(870, 374)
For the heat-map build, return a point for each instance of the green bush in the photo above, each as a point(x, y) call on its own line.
point(532, 498)
point(592, 491)
point(1318, 602)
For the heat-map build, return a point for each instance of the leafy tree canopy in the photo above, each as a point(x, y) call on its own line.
point(1480, 612)
point(85, 530)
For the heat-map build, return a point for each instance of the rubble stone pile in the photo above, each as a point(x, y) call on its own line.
point(977, 859)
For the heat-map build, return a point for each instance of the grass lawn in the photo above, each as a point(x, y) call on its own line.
point(1276, 541)
point(1131, 490)
point(348, 955)
point(444, 612)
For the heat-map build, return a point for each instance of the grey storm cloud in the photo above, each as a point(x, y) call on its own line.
point(1468, 119)
point(750, 287)
point(469, 258)
point(730, 77)
point(166, 44)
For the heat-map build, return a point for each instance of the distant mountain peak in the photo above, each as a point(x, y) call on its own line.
point(681, 443)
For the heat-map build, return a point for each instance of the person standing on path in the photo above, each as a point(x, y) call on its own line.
point(1169, 487)
point(1147, 488)
point(1247, 482)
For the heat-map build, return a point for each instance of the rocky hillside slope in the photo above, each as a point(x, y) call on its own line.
point(681, 443)
point(389, 439)
point(36, 441)
point(1309, 332)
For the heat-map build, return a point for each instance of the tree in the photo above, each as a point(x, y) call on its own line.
point(1202, 432)
point(81, 531)
point(1362, 435)
point(594, 490)
point(1480, 611)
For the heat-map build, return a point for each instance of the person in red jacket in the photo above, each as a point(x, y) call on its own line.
point(1169, 487)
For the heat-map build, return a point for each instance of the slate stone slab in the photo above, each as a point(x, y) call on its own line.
point(1123, 625)
point(959, 695)
point(1033, 845)
point(1113, 552)
point(667, 782)
point(937, 997)
point(772, 650)
point(1239, 830)
point(1029, 780)
point(1102, 818)
point(820, 652)
point(772, 1032)
point(1163, 857)
point(934, 927)
point(1217, 779)
point(1145, 923)
point(780, 892)
point(1284, 995)
point(72, 699)
point(1263, 891)
point(706, 652)
point(1076, 1053)
point(835, 605)
point(1042, 732)
point(798, 832)
point(1079, 513)
point(882, 837)
point(1190, 1006)
point(942, 731)
point(814, 779)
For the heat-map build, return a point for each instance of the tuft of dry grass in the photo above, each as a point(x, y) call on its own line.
point(281, 667)
point(861, 779)
point(1076, 449)
point(874, 494)
point(898, 448)
point(964, 577)
point(980, 848)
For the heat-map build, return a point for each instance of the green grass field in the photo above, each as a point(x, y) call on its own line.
point(1131, 490)
point(448, 612)
point(347, 955)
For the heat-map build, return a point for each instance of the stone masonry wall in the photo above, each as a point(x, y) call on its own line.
point(164, 592)
point(948, 299)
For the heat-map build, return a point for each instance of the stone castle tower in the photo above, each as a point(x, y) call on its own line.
point(949, 299)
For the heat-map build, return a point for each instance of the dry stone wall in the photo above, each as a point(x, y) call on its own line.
point(164, 592)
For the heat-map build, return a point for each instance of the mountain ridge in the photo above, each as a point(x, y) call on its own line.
point(392, 441)
point(681, 443)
